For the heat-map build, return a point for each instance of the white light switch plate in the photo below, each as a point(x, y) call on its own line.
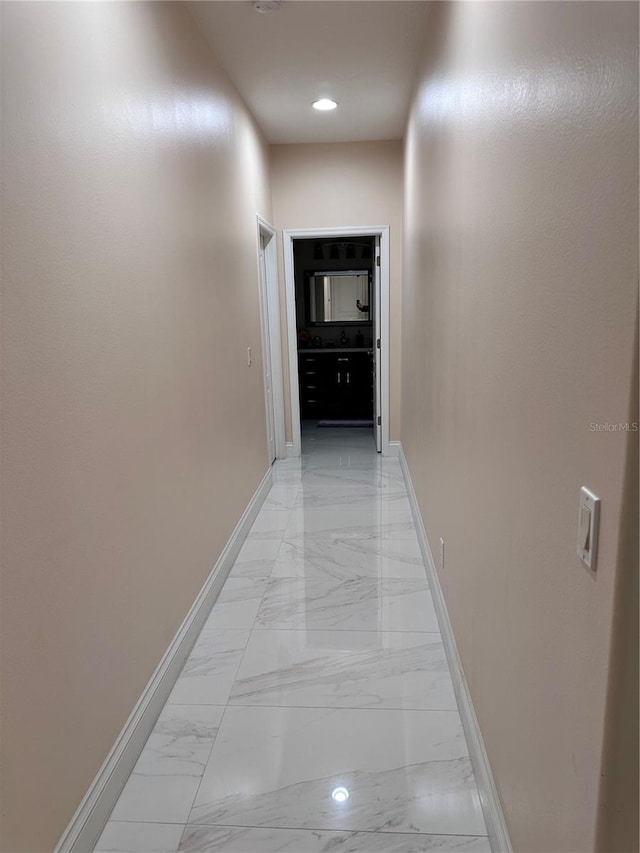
point(588, 523)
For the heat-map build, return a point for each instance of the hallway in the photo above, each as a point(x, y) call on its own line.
point(316, 711)
point(159, 160)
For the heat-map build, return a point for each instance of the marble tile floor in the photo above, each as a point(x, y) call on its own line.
point(316, 711)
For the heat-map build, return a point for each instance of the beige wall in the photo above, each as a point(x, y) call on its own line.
point(342, 184)
point(619, 792)
point(519, 304)
point(133, 429)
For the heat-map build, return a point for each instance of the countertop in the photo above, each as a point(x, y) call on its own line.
point(311, 350)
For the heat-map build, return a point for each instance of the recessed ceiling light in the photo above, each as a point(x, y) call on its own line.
point(340, 795)
point(324, 104)
point(267, 5)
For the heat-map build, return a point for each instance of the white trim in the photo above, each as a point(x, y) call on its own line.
point(288, 236)
point(275, 338)
point(270, 417)
point(394, 448)
point(377, 354)
point(292, 343)
point(491, 806)
point(384, 336)
point(93, 812)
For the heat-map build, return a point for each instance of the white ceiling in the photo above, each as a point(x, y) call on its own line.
point(363, 54)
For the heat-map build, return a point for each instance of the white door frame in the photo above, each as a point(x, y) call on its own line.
point(377, 354)
point(271, 328)
point(288, 236)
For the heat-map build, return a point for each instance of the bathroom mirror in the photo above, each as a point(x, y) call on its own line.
point(338, 297)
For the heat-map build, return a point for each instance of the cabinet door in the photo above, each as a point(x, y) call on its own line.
point(343, 368)
point(354, 386)
point(362, 387)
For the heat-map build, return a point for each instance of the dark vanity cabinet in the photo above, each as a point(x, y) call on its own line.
point(336, 384)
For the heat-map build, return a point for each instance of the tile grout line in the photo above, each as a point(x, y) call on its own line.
point(380, 832)
point(349, 708)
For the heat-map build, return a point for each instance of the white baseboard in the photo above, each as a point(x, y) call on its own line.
point(394, 448)
point(93, 812)
point(491, 806)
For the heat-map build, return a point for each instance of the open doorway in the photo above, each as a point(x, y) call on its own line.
point(337, 288)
